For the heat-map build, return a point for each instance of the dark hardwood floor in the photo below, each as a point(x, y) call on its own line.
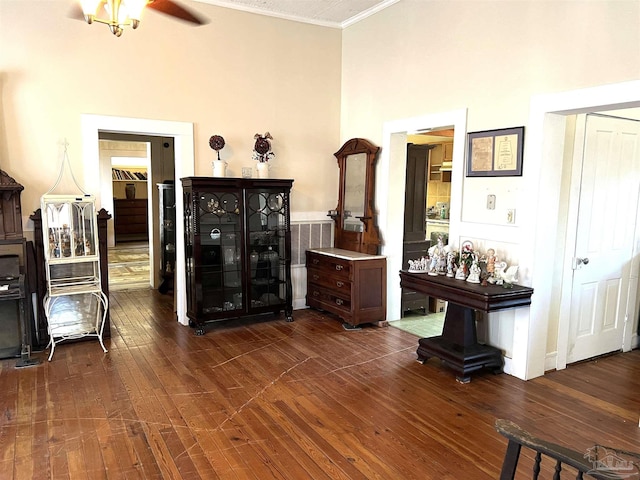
point(300, 400)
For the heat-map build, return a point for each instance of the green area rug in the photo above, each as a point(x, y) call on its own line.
point(421, 325)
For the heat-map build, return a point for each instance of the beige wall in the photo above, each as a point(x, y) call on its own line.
point(236, 76)
point(418, 57)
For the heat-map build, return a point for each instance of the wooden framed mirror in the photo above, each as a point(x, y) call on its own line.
point(354, 216)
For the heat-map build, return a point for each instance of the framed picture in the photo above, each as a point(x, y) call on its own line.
point(495, 153)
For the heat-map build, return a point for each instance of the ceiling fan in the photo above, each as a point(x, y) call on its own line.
point(118, 14)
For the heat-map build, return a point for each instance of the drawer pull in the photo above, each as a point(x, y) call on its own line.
point(315, 261)
point(316, 277)
point(316, 293)
point(339, 267)
point(339, 301)
point(339, 284)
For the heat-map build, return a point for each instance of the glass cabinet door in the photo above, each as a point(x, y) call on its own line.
point(71, 228)
point(218, 252)
point(167, 234)
point(267, 226)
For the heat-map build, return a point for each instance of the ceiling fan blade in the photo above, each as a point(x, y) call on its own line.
point(171, 8)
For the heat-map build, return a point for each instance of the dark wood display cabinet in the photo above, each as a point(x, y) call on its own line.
point(237, 248)
point(167, 222)
point(131, 219)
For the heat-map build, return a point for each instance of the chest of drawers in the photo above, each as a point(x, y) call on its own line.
point(351, 285)
point(131, 219)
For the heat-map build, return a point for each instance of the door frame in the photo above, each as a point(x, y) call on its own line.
point(184, 167)
point(564, 331)
point(545, 140)
point(390, 182)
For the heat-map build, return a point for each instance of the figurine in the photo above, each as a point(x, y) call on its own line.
point(498, 274)
point(418, 266)
point(474, 271)
point(491, 261)
point(509, 277)
point(441, 266)
point(465, 261)
point(435, 253)
point(451, 263)
point(460, 275)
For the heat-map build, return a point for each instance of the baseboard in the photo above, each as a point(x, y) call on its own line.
point(550, 361)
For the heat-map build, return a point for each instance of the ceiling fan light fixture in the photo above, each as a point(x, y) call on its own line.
point(116, 30)
point(119, 13)
point(134, 9)
point(89, 9)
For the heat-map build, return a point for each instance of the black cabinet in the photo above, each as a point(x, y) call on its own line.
point(167, 222)
point(15, 332)
point(237, 248)
point(415, 244)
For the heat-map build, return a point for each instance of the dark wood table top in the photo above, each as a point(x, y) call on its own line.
point(466, 294)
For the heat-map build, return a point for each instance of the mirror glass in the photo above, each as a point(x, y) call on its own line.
point(354, 191)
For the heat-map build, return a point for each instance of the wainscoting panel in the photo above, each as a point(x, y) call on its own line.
point(305, 235)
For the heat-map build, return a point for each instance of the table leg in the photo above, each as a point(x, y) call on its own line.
point(458, 345)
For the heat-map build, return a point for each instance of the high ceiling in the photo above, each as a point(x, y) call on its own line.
point(333, 13)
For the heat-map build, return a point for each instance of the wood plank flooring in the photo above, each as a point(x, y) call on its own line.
point(267, 399)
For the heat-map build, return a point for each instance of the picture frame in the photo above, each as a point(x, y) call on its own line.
point(495, 153)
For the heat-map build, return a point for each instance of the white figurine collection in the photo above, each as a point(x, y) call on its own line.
point(466, 264)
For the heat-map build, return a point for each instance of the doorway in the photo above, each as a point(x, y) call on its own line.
point(138, 163)
point(602, 228)
point(391, 179)
point(542, 343)
point(426, 218)
point(183, 134)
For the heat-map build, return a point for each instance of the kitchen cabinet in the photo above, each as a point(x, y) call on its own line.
point(237, 248)
point(441, 155)
point(167, 223)
point(447, 152)
point(351, 285)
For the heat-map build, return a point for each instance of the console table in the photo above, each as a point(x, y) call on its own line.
point(458, 345)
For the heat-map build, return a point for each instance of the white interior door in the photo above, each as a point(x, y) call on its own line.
point(605, 237)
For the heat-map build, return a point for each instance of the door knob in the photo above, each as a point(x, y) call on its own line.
point(580, 261)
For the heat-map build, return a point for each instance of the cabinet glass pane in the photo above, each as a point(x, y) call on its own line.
point(267, 226)
point(167, 229)
point(70, 227)
point(219, 261)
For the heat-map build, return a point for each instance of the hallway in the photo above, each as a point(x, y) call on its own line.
point(129, 266)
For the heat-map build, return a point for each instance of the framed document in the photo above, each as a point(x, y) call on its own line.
point(495, 153)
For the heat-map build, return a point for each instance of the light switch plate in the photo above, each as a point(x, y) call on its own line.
point(491, 202)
